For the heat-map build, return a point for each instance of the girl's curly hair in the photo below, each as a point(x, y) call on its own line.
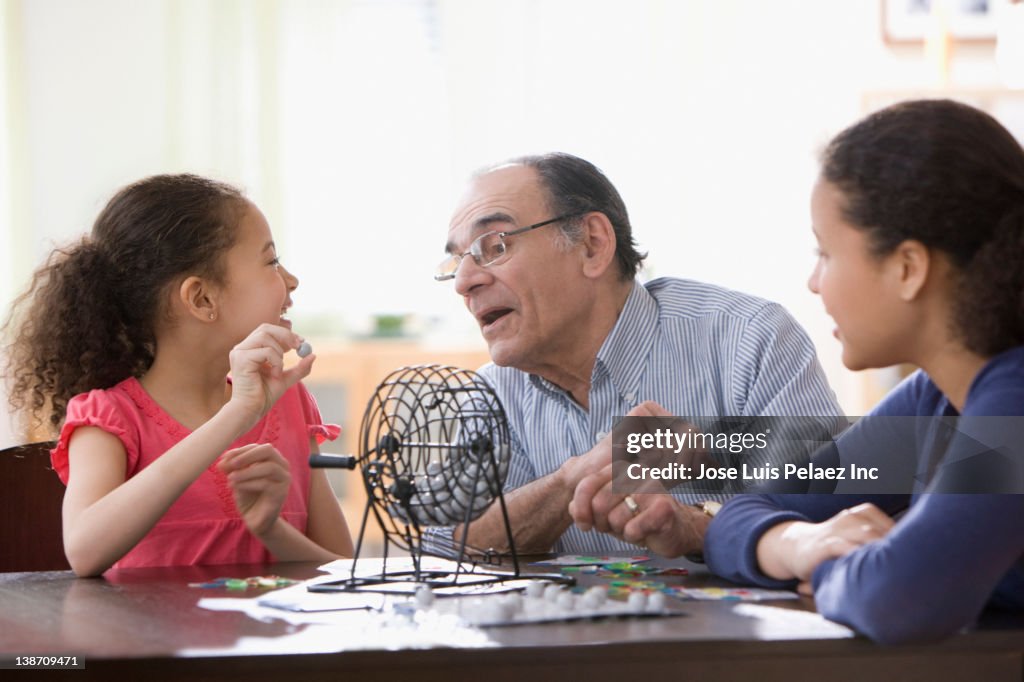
point(88, 318)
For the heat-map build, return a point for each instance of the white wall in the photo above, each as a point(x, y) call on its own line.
point(353, 124)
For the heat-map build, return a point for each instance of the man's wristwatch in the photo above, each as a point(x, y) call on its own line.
point(709, 509)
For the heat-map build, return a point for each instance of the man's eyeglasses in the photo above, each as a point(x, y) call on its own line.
point(489, 249)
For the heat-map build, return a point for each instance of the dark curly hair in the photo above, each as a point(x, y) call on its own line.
point(575, 185)
point(89, 316)
point(951, 177)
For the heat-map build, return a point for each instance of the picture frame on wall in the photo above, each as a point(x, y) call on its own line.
point(910, 21)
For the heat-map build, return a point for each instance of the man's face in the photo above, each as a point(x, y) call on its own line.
point(529, 306)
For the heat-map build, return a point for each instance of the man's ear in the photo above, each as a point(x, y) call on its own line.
point(912, 263)
point(198, 298)
point(598, 241)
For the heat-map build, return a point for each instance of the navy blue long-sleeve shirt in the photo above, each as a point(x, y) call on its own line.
point(948, 557)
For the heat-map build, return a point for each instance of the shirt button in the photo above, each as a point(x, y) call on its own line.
point(629, 397)
point(600, 436)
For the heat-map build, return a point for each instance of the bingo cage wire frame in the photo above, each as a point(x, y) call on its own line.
point(434, 451)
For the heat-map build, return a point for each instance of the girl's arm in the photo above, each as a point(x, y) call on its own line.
point(739, 542)
point(793, 549)
point(928, 577)
point(931, 575)
point(104, 515)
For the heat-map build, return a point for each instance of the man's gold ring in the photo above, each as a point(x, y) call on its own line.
point(631, 505)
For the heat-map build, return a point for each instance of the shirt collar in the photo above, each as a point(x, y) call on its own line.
point(624, 352)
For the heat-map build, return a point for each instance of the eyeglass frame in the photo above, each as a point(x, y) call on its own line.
point(501, 236)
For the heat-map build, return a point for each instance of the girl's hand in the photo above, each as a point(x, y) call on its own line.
point(259, 478)
point(258, 377)
point(794, 549)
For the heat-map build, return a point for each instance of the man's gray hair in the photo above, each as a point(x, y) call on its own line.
point(574, 186)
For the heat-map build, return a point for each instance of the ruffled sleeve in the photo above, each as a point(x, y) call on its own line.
point(96, 408)
point(314, 422)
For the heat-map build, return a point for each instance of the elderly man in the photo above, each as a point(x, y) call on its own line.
point(541, 250)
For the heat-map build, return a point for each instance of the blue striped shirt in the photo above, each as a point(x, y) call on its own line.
point(694, 348)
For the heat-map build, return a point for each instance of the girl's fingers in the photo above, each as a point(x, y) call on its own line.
point(300, 371)
point(256, 357)
point(262, 454)
point(257, 486)
point(267, 344)
point(861, 524)
point(837, 547)
point(229, 460)
point(271, 335)
point(869, 513)
point(270, 471)
point(248, 456)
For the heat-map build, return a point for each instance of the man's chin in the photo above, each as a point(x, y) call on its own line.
point(501, 354)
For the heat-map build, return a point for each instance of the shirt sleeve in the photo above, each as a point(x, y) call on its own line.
point(520, 469)
point(440, 541)
point(95, 408)
point(938, 568)
point(930, 576)
point(314, 422)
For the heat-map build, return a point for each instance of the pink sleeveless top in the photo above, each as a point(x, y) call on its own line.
point(202, 526)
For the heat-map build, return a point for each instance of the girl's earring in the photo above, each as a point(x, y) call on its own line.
point(212, 316)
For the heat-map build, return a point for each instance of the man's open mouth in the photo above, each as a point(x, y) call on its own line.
point(492, 316)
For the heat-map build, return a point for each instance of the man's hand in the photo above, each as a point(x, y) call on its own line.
point(575, 469)
point(259, 478)
point(660, 523)
point(537, 509)
point(793, 549)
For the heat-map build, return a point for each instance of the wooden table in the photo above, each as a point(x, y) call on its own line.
point(144, 624)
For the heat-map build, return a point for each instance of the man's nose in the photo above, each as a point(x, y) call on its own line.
point(469, 275)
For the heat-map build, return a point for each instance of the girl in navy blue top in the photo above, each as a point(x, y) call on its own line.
point(919, 217)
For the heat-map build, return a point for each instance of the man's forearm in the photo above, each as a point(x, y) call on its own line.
point(537, 512)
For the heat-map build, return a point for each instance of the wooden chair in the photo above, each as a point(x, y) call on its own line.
point(30, 510)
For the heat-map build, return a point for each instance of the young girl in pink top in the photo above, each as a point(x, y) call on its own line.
point(125, 341)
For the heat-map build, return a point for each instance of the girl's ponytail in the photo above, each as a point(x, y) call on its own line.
point(989, 309)
point(67, 334)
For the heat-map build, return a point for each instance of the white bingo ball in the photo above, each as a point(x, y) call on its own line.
point(656, 602)
point(637, 601)
point(424, 597)
point(535, 589)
